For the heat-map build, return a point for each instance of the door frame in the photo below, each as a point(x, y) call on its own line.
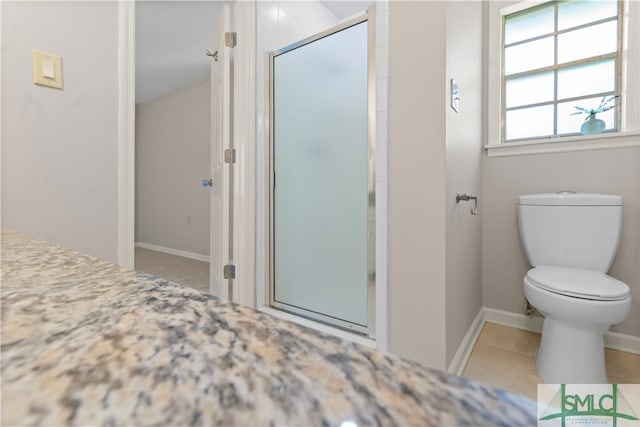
point(221, 171)
point(244, 142)
point(126, 132)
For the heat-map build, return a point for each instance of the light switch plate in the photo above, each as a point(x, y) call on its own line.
point(455, 95)
point(47, 69)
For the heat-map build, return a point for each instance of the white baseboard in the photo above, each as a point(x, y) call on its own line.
point(170, 251)
point(612, 340)
point(622, 342)
point(513, 320)
point(460, 359)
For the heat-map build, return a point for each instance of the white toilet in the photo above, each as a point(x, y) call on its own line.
point(571, 240)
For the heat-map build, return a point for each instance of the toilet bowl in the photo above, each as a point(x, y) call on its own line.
point(571, 240)
point(579, 307)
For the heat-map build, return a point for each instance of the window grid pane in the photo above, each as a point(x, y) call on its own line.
point(572, 14)
point(524, 26)
point(530, 122)
point(528, 56)
point(588, 42)
point(530, 89)
point(525, 110)
point(569, 122)
point(600, 75)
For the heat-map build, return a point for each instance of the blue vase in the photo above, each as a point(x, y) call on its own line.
point(592, 125)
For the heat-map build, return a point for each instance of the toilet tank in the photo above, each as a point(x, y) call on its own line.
point(569, 229)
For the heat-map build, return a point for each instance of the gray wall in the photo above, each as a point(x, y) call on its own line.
point(417, 174)
point(60, 148)
point(435, 290)
point(464, 159)
point(504, 263)
point(173, 151)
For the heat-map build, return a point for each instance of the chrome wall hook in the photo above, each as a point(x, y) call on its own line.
point(467, 197)
point(214, 55)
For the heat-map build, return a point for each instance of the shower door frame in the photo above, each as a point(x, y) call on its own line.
point(369, 329)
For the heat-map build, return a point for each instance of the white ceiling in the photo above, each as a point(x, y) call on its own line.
point(171, 40)
point(173, 36)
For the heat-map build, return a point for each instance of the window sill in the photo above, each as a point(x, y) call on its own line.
point(566, 144)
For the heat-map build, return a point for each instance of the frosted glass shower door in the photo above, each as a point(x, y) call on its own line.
point(321, 159)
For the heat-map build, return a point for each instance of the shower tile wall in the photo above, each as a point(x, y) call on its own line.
point(280, 24)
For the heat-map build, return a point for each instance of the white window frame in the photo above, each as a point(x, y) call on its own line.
point(628, 134)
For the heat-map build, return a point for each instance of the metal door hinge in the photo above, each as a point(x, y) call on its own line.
point(229, 271)
point(229, 155)
point(230, 39)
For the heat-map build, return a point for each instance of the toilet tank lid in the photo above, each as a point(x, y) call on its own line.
point(570, 198)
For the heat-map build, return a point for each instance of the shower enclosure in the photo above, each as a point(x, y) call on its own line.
point(322, 160)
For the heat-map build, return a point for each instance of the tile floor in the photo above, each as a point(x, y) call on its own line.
point(186, 271)
point(506, 357)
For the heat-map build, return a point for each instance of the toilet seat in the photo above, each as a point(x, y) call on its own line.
point(585, 284)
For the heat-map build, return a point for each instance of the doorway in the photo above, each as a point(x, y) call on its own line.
point(173, 139)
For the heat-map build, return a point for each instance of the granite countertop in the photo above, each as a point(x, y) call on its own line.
point(88, 343)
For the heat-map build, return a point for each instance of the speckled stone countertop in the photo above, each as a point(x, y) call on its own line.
point(88, 343)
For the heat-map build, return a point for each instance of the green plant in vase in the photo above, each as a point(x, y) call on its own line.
point(592, 124)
